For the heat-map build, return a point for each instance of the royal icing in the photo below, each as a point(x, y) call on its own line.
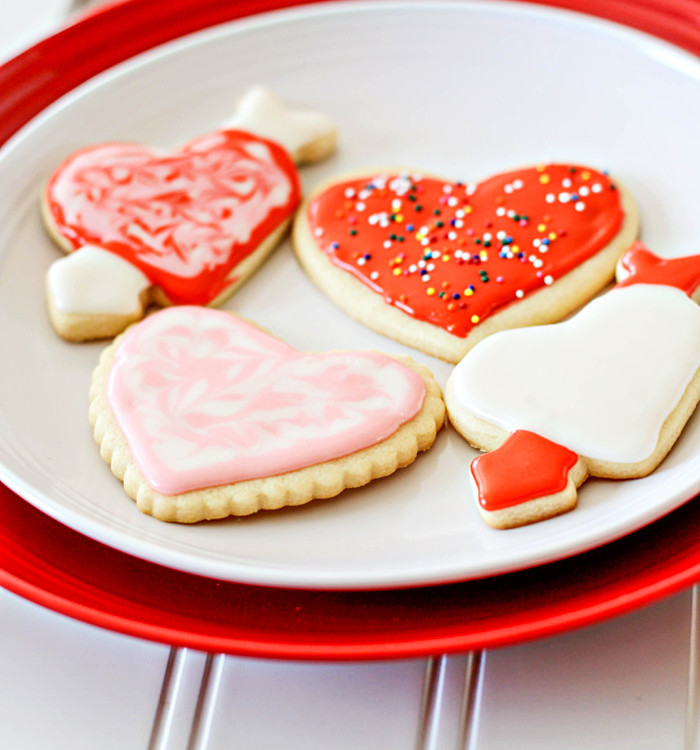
point(205, 399)
point(451, 253)
point(542, 468)
point(262, 113)
point(185, 219)
point(75, 283)
point(640, 265)
point(601, 384)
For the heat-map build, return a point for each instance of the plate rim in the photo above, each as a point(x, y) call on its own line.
point(405, 623)
point(86, 47)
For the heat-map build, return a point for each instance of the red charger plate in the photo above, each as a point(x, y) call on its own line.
point(56, 567)
point(52, 565)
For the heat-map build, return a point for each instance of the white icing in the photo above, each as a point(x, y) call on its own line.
point(93, 281)
point(261, 113)
point(600, 384)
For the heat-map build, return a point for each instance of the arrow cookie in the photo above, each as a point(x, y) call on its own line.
point(604, 394)
point(147, 226)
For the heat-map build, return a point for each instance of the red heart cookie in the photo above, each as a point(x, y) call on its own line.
point(186, 218)
point(452, 262)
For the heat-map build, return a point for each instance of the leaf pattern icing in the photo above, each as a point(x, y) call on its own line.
point(205, 399)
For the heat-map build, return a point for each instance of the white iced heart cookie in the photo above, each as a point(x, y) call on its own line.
point(203, 415)
point(188, 226)
point(605, 393)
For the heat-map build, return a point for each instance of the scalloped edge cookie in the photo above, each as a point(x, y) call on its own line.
point(321, 480)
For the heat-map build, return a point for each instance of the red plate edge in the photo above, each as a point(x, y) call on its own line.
point(102, 38)
point(73, 575)
point(58, 568)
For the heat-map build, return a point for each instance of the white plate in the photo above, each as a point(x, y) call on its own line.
point(459, 88)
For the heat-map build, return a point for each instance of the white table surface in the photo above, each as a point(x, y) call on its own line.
point(621, 684)
point(628, 683)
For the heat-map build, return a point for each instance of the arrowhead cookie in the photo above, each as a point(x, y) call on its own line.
point(203, 415)
point(144, 225)
point(605, 393)
point(440, 265)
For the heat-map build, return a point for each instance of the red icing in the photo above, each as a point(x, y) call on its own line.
point(526, 467)
point(518, 214)
point(646, 268)
point(186, 218)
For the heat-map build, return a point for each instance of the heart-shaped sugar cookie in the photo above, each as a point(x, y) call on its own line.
point(185, 218)
point(185, 226)
point(610, 389)
point(204, 415)
point(439, 265)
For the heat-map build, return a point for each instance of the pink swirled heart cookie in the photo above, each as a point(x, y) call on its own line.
point(440, 265)
point(203, 415)
point(144, 225)
point(605, 393)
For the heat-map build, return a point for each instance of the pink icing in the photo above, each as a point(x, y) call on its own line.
point(205, 399)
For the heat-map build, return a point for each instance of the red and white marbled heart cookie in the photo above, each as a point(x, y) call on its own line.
point(439, 265)
point(186, 226)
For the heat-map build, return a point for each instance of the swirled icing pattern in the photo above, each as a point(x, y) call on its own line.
point(185, 218)
point(205, 399)
point(453, 253)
